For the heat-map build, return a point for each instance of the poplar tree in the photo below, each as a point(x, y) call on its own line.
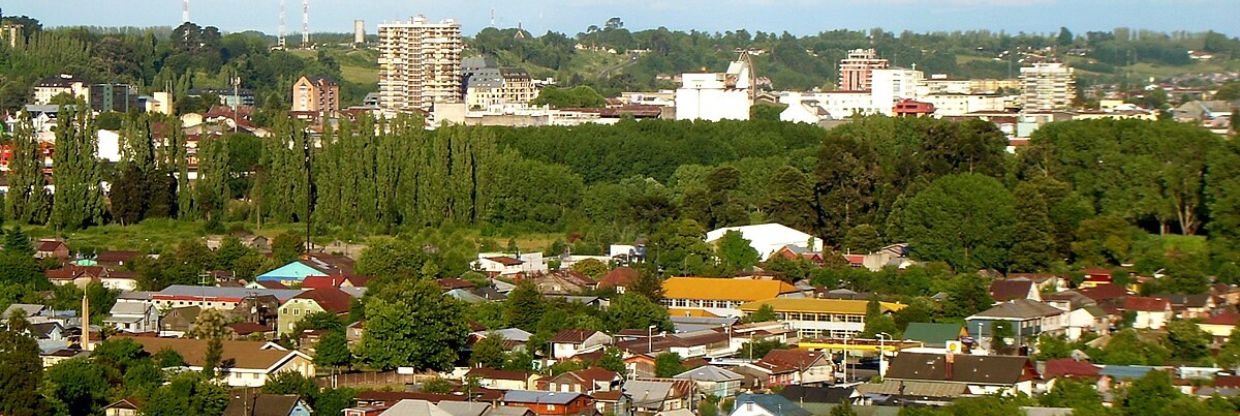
point(78, 200)
point(27, 198)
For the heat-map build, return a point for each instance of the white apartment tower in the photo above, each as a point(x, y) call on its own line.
point(1048, 87)
point(419, 64)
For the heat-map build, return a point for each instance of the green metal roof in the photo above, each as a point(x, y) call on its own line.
point(932, 334)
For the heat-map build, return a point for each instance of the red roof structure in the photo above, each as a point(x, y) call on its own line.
point(330, 299)
point(1139, 303)
point(1067, 367)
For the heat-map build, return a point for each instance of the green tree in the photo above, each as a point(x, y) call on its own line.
point(863, 238)
point(524, 306)
point(412, 324)
point(668, 364)
point(17, 242)
point(765, 313)
point(757, 349)
point(1072, 393)
point(1149, 395)
point(287, 247)
point(1188, 342)
point(844, 408)
point(187, 393)
point(735, 252)
point(964, 220)
point(1053, 346)
point(966, 295)
point(877, 322)
point(613, 359)
point(1229, 354)
point(27, 201)
point(21, 370)
point(291, 382)
point(590, 267)
point(80, 385)
point(333, 350)
point(1034, 248)
point(78, 200)
point(790, 199)
point(488, 352)
point(1000, 331)
point(632, 310)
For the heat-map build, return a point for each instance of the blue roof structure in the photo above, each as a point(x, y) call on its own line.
point(296, 271)
point(1127, 372)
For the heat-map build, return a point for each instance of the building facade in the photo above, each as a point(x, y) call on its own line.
point(889, 86)
point(856, 69)
point(1048, 87)
point(316, 95)
point(820, 318)
point(715, 96)
point(419, 64)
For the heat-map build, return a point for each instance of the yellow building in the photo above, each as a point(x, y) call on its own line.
point(721, 296)
point(820, 318)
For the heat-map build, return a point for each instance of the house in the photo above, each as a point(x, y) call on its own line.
point(1095, 277)
point(933, 335)
point(51, 249)
point(129, 316)
point(766, 239)
point(221, 298)
point(650, 396)
point(1048, 282)
point(1071, 368)
point(713, 381)
point(561, 282)
point(794, 366)
point(123, 407)
point(320, 282)
point(502, 379)
point(1028, 319)
point(820, 318)
point(1221, 325)
point(1190, 306)
point(414, 407)
point(712, 343)
point(469, 408)
point(1151, 313)
point(1006, 290)
point(587, 381)
point(116, 259)
point(513, 338)
point(546, 403)
point(71, 274)
point(50, 87)
point(26, 310)
point(243, 363)
point(291, 274)
point(766, 405)
point(329, 300)
point(720, 296)
point(252, 404)
point(570, 342)
point(795, 253)
point(619, 279)
point(820, 400)
point(176, 321)
point(977, 374)
point(501, 264)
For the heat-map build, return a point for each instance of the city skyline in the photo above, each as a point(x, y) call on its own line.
point(799, 16)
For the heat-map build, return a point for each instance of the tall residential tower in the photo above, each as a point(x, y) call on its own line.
point(857, 69)
point(1048, 87)
point(419, 64)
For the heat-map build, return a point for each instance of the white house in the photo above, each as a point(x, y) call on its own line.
point(1151, 313)
point(503, 264)
point(570, 342)
point(133, 316)
point(250, 364)
point(766, 405)
point(769, 238)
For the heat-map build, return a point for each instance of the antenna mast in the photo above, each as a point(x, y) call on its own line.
point(283, 29)
point(185, 11)
point(305, 24)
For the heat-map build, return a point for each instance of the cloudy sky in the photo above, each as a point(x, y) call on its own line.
point(572, 16)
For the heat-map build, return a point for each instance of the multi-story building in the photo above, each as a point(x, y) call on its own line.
point(1048, 87)
point(820, 318)
point(492, 89)
point(889, 86)
point(952, 105)
point(721, 296)
point(419, 64)
point(113, 97)
point(60, 84)
point(855, 70)
point(318, 95)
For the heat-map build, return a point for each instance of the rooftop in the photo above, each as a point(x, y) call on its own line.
point(836, 306)
point(706, 288)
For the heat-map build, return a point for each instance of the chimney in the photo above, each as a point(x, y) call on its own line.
point(86, 323)
point(950, 362)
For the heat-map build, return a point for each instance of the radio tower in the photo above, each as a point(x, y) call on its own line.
point(305, 24)
point(185, 11)
point(283, 11)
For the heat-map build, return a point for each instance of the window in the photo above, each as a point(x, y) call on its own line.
point(854, 318)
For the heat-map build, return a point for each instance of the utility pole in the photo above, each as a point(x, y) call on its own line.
point(236, 82)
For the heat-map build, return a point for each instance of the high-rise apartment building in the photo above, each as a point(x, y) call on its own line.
point(856, 70)
point(419, 64)
point(1048, 87)
point(318, 95)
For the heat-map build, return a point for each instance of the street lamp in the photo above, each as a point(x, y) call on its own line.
point(882, 362)
point(844, 359)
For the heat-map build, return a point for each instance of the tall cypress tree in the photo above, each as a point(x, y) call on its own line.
point(212, 185)
point(78, 201)
point(26, 198)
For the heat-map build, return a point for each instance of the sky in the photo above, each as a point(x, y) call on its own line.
point(571, 16)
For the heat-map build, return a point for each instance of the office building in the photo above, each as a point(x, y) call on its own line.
point(113, 97)
point(855, 70)
point(419, 64)
point(1048, 87)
